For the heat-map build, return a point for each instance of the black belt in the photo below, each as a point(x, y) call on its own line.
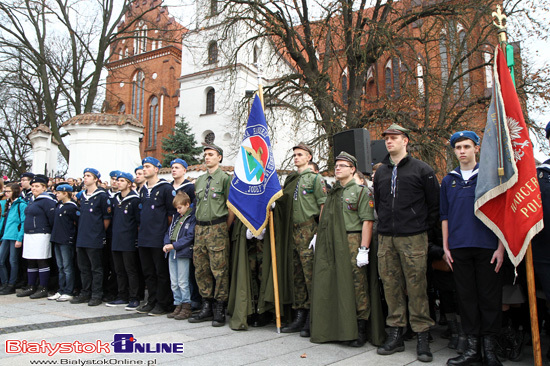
point(354, 232)
point(213, 222)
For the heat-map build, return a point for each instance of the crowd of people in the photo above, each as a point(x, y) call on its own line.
point(399, 252)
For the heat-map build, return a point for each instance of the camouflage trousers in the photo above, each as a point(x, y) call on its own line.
point(302, 259)
point(255, 259)
point(211, 260)
point(402, 264)
point(362, 303)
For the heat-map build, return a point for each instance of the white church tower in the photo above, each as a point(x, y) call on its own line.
point(217, 85)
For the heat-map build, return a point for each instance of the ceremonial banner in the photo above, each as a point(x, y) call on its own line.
point(255, 185)
point(508, 204)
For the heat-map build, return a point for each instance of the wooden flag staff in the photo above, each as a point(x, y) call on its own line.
point(271, 230)
point(500, 23)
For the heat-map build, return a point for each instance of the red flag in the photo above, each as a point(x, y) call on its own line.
point(509, 205)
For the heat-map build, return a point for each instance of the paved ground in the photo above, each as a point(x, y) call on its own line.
point(22, 319)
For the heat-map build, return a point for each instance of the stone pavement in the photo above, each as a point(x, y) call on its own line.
point(22, 319)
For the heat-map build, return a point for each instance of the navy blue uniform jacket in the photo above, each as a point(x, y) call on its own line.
point(39, 215)
point(189, 188)
point(64, 226)
point(126, 216)
point(156, 207)
point(457, 206)
point(94, 208)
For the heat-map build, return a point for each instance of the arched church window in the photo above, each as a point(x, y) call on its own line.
point(210, 101)
point(153, 122)
point(138, 94)
point(213, 52)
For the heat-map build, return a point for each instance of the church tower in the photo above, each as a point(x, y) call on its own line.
point(143, 68)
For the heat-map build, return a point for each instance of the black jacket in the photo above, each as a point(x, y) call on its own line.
point(541, 250)
point(414, 208)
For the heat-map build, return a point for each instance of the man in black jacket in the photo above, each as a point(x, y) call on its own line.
point(406, 195)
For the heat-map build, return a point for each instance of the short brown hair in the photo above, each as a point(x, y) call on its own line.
point(181, 199)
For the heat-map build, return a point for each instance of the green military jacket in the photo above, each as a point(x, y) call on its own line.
point(358, 205)
point(309, 194)
point(212, 205)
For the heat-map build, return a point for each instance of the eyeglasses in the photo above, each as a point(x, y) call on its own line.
point(337, 166)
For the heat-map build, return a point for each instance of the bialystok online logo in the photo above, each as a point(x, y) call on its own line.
point(122, 343)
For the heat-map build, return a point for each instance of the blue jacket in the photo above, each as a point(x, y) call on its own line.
point(64, 226)
point(457, 198)
point(2, 213)
point(14, 229)
point(183, 247)
point(39, 215)
point(126, 215)
point(94, 208)
point(156, 207)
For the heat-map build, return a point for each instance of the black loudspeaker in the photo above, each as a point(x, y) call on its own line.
point(378, 150)
point(357, 143)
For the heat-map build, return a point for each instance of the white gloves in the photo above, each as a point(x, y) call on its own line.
point(249, 235)
point(273, 206)
point(261, 236)
point(362, 257)
point(312, 242)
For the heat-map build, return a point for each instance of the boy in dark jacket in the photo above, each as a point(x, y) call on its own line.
point(64, 241)
point(126, 219)
point(179, 248)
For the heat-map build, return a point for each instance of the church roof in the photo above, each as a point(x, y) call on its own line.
point(104, 119)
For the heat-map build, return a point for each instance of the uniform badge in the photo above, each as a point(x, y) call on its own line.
point(108, 201)
point(371, 203)
point(91, 210)
point(157, 193)
point(324, 189)
point(304, 191)
point(349, 206)
point(454, 183)
point(541, 174)
point(214, 195)
point(125, 211)
point(109, 209)
point(152, 207)
point(347, 199)
point(174, 193)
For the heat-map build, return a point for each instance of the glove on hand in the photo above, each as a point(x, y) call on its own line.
point(363, 257)
point(312, 243)
point(249, 234)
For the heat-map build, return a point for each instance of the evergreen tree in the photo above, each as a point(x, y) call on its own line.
point(180, 144)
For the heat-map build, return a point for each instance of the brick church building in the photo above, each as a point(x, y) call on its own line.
point(143, 69)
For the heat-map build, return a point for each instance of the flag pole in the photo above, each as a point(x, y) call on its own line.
point(271, 228)
point(500, 23)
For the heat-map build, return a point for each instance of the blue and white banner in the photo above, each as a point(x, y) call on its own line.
point(255, 185)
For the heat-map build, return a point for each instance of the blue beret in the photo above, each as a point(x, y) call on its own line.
point(79, 195)
point(93, 171)
point(138, 168)
point(151, 160)
point(40, 178)
point(64, 188)
point(179, 161)
point(547, 130)
point(114, 173)
point(467, 134)
point(124, 175)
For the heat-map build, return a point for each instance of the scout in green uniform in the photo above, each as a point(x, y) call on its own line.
point(211, 250)
point(340, 305)
point(309, 197)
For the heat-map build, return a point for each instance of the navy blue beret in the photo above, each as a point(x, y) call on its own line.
point(467, 134)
